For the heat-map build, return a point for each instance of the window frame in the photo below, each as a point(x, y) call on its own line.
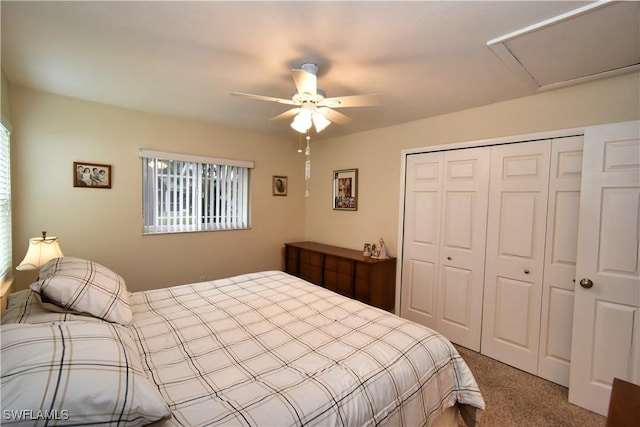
point(187, 193)
point(6, 254)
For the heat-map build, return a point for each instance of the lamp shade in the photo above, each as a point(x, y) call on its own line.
point(320, 121)
point(302, 122)
point(40, 251)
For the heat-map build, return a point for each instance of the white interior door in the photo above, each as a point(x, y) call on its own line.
point(464, 227)
point(606, 323)
point(515, 253)
point(561, 246)
point(423, 188)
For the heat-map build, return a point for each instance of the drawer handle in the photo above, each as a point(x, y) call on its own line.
point(526, 272)
point(449, 258)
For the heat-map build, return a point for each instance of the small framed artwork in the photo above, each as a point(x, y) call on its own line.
point(91, 175)
point(366, 251)
point(279, 185)
point(345, 189)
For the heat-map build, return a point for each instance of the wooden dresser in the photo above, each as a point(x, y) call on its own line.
point(345, 271)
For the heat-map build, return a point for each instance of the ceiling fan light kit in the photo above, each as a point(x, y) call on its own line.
point(312, 107)
point(302, 121)
point(309, 115)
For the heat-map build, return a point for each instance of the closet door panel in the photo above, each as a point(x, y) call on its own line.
point(461, 271)
point(420, 305)
point(560, 259)
point(458, 231)
point(421, 238)
point(513, 309)
point(457, 297)
point(555, 349)
point(515, 253)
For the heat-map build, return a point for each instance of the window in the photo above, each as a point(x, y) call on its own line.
point(5, 204)
point(191, 193)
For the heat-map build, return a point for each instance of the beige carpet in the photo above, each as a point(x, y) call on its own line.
point(517, 399)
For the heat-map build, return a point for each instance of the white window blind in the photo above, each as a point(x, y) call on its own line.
point(185, 193)
point(5, 204)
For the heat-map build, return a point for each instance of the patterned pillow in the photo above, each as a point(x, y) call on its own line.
point(75, 373)
point(25, 306)
point(82, 286)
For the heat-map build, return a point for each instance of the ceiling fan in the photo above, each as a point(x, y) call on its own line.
point(311, 106)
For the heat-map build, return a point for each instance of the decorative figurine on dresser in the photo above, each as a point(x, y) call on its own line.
point(379, 250)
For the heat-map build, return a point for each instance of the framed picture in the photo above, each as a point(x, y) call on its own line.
point(279, 185)
point(345, 189)
point(366, 250)
point(91, 175)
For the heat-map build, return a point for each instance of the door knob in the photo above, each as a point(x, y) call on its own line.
point(586, 283)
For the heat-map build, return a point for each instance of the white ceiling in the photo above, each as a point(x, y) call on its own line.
point(185, 58)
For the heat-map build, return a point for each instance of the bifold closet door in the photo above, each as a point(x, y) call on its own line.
point(420, 255)
point(515, 253)
point(462, 245)
point(444, 242)
point(560, 259)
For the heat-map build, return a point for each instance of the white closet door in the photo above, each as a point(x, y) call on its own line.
point(606, 322)
point(560, 259)
point(464, 227)
point(515, 253)
point(420, 255)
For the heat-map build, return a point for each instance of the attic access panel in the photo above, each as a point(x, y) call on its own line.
point(598, 40)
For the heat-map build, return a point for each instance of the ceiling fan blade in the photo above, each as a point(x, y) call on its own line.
point(264, 98)
point(287, 114)
point(334, 116)
point(305, 81)
point(370, 100)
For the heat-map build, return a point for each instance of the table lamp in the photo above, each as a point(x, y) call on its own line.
point(40, 251)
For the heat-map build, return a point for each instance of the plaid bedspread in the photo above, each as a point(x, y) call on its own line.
point(269, 349)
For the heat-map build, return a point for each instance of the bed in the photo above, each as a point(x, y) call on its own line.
point(260, 349)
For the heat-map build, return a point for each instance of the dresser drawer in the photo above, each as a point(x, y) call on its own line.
point(362, 285)
point(291, 261)
point(311, 258)
point(338, 275)
point(310, 267)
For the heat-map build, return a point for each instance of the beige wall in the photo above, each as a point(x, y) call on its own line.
point(50, 132)
point(377, 154)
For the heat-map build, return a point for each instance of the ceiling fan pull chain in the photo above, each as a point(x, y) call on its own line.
point(307, 167)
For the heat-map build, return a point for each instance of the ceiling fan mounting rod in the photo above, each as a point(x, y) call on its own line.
point(310, 67)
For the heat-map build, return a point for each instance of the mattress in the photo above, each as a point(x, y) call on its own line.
point(270, 349)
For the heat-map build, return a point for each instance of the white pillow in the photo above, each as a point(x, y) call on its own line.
point(76, 373)
point(83, 286)
point(26, 307)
